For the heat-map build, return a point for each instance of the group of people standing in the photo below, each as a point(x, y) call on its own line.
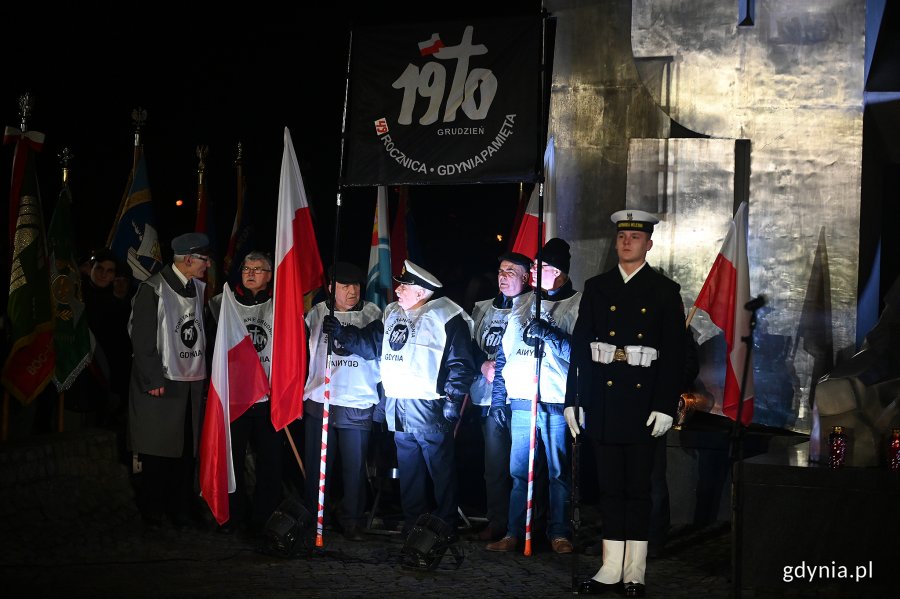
point(605, 363)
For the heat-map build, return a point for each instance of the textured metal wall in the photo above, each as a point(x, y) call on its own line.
point(792, 85)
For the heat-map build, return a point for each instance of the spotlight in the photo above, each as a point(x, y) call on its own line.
point(286, 531)
point(427, 543)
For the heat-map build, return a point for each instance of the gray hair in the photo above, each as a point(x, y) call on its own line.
point(257, 255)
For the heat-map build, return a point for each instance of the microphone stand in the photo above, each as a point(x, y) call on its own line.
point(737, 456)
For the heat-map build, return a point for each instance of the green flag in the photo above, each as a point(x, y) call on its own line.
point(71, 336)
point(31, 358)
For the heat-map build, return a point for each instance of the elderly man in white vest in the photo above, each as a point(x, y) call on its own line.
point(425, 345)
point(168, 380)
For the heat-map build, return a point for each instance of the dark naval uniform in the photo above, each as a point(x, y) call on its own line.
point(618, 397)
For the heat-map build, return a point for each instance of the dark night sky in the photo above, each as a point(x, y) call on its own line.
point(216, 78)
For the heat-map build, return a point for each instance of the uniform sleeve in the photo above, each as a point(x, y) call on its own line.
point(147, 366)
point(457, 365)
point(580, 351)
point(364, 342)
point(672, 354)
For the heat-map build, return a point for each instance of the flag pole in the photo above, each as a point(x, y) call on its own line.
point(539, 346)
point(538, 351)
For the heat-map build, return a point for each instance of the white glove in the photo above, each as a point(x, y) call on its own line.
point(661, 423)
point(575, 424)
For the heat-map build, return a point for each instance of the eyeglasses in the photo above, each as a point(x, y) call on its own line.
point(255, 269)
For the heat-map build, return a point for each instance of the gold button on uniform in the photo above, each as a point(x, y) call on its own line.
point(609, 383)
point(640, 335)
point(612, 308)
point(643, 310)
point(612, 333)
point(638, 386)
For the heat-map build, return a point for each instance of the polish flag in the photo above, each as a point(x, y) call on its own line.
point(431, 45)
point(298, 270)
point(236, 383)
point(723, 296)
point(527, 238)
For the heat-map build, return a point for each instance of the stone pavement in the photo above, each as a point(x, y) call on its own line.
point(69, 528)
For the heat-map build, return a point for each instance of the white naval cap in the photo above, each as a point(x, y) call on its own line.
point(634, 220)
point(413, 274)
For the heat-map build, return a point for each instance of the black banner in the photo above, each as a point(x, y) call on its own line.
point(445, 103)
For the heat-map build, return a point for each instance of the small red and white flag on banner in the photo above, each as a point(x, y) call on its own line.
point(237, 382)
point(723, 296)
point(298, 270)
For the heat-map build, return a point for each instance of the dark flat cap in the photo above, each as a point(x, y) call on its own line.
point(516, 258)
point(413, 274)
point(191, 243)
point(346, 273)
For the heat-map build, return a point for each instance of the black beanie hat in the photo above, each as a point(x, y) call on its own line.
point(556, 253)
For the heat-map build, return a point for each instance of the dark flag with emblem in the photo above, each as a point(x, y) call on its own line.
point(243, 234)
point(31, 357)
point(134, 237)
point(206, 224)
point(71, 336)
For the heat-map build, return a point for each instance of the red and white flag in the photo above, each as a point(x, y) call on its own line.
point(298, 270)
point(237, 381)
point(723, 296)
point(526, 239)
point(431, 46)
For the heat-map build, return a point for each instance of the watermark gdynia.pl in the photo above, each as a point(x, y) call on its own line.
point(827, 572)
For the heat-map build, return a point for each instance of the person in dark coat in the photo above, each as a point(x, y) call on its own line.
point(626, 374)
point(168, 381)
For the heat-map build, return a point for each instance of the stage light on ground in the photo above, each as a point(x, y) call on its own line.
point(427, 543)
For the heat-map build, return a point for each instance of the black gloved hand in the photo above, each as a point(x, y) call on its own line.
point(331, 326)
point(451, 409)
point(498, 413)
point(539, 329)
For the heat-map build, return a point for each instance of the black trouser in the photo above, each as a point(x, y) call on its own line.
point(167, 484)
point(624, 472)
point(352, 445)
point(255, 427)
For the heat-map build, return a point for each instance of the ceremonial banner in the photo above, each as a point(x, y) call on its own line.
point(31, 359)
point(445, 103)
point(134, 238)
point(243, 234)
point(72, 338)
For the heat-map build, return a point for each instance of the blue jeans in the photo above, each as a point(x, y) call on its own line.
point(552, 431)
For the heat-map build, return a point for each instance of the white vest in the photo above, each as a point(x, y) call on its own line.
point(518, 373)
point(180, 338)
point(490, 324)
point(413, 347)
point(354, 381)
